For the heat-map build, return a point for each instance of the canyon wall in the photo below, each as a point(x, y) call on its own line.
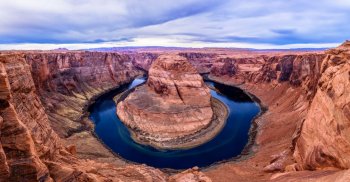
point(307, 122)
point(66, 82)
point(202, 61)
point(45, 134)
point(33, 144)
point(26, 135)
point(142, 60)
point(324, 139)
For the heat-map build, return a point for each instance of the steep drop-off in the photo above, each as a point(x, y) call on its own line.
point(66, 82)
point(324, 139)
point(303, 135)
point(30, 148)
point(304, 128)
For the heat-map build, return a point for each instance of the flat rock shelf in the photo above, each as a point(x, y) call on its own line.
point(229, 141)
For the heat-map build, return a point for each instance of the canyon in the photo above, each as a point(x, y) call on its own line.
point(302, 135)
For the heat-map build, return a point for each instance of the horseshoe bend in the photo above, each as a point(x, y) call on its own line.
point(301, 132)
point(174, 105)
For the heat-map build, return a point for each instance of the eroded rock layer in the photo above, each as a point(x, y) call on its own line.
point(30, 149)
point(325, 134)
point(303, 136)
point(175, 102)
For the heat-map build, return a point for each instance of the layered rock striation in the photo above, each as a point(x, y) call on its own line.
point(324, 136)
point(67, 82)
point(303, 133)
point(175, 103)
point(30, 148)
point(45, 135)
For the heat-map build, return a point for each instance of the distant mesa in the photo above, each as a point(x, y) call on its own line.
point(61, 49)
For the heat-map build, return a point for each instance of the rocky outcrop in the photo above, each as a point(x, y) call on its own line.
point(203, 62)
point(174, 103)
point(143, 60)
point(324, 138)
point(225, 66)
point(190, 175)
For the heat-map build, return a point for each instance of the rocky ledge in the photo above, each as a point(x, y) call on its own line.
point(174, 109)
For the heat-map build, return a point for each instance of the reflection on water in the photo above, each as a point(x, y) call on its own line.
point(227, 144)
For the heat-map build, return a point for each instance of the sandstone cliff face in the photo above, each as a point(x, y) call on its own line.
point(226, 66)
point(324, 138)
point(30, 149)
point(143, 60)
point(66, 83)
point(28, 104)
point(173, 103)
point(305, 128)
point(203, 62)
point(18, 153)
point(297, 70)
point(308, 98)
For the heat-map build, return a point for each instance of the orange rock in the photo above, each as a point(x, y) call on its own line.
point(324, 138)
point(43, 96)
point(190, 175)
point(174, 102)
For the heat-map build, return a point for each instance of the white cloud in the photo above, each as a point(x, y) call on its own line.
point(189, 22)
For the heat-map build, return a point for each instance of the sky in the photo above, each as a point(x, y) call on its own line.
point(261, 24)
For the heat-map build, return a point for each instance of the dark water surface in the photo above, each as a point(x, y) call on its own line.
point(227, 144)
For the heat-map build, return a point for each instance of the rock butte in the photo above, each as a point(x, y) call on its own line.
point(303, 136)
point(171, 107)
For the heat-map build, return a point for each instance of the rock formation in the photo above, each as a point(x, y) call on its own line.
point(30, 149)
point(226, 66)
point(174, 103)
point(324, 137)
point(46, 136)
point(202, 61)
point(308, 96)
point(190, 175)
point(66, 82)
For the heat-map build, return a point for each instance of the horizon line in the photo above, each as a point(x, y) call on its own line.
point(175, 45)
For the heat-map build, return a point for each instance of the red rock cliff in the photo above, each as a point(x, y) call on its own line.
point(30, 149)
point(66, 82)
point(43, 96)
point(324, 138)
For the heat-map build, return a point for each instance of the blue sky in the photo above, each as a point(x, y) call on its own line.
point(47, 24)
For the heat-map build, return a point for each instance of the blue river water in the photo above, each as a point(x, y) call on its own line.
point(227, 144)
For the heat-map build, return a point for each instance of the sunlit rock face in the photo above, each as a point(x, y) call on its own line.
point(31, 86)
point(42, 95)
point(174, 102)
point(324, 138)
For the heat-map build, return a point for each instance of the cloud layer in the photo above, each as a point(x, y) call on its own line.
point(192, 23)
